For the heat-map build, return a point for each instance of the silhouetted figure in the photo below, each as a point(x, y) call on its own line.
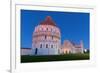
point(36, 51)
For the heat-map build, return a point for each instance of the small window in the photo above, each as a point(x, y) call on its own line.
point(46, 45)
point(41, 46)
point(45, 36)
point(51, 46)
point(47, 29)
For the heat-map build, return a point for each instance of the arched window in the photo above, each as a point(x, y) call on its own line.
point(40, 45)
point(47, 29)
point(51, 46)
point(45, 36)
point(46, 45)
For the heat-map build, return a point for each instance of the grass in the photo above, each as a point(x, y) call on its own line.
point(45, 58)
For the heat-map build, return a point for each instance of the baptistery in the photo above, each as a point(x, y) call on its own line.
point(46, 38)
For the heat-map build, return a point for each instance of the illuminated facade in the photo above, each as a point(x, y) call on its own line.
point(69, 47)
point(46, 39)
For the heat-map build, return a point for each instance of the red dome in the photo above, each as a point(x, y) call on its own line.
point(48, 21)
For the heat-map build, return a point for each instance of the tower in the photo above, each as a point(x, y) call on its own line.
point(82, 46)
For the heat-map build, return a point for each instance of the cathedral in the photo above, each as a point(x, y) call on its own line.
point(46, 40)
point(70, 47)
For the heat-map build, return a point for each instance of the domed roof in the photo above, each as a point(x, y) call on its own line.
point(48, 21)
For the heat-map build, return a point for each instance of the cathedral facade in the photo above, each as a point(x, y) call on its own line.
point(70, 47)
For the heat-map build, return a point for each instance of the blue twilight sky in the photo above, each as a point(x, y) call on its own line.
point(74, 25)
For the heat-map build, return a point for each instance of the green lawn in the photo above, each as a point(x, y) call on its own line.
point(67, 57)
